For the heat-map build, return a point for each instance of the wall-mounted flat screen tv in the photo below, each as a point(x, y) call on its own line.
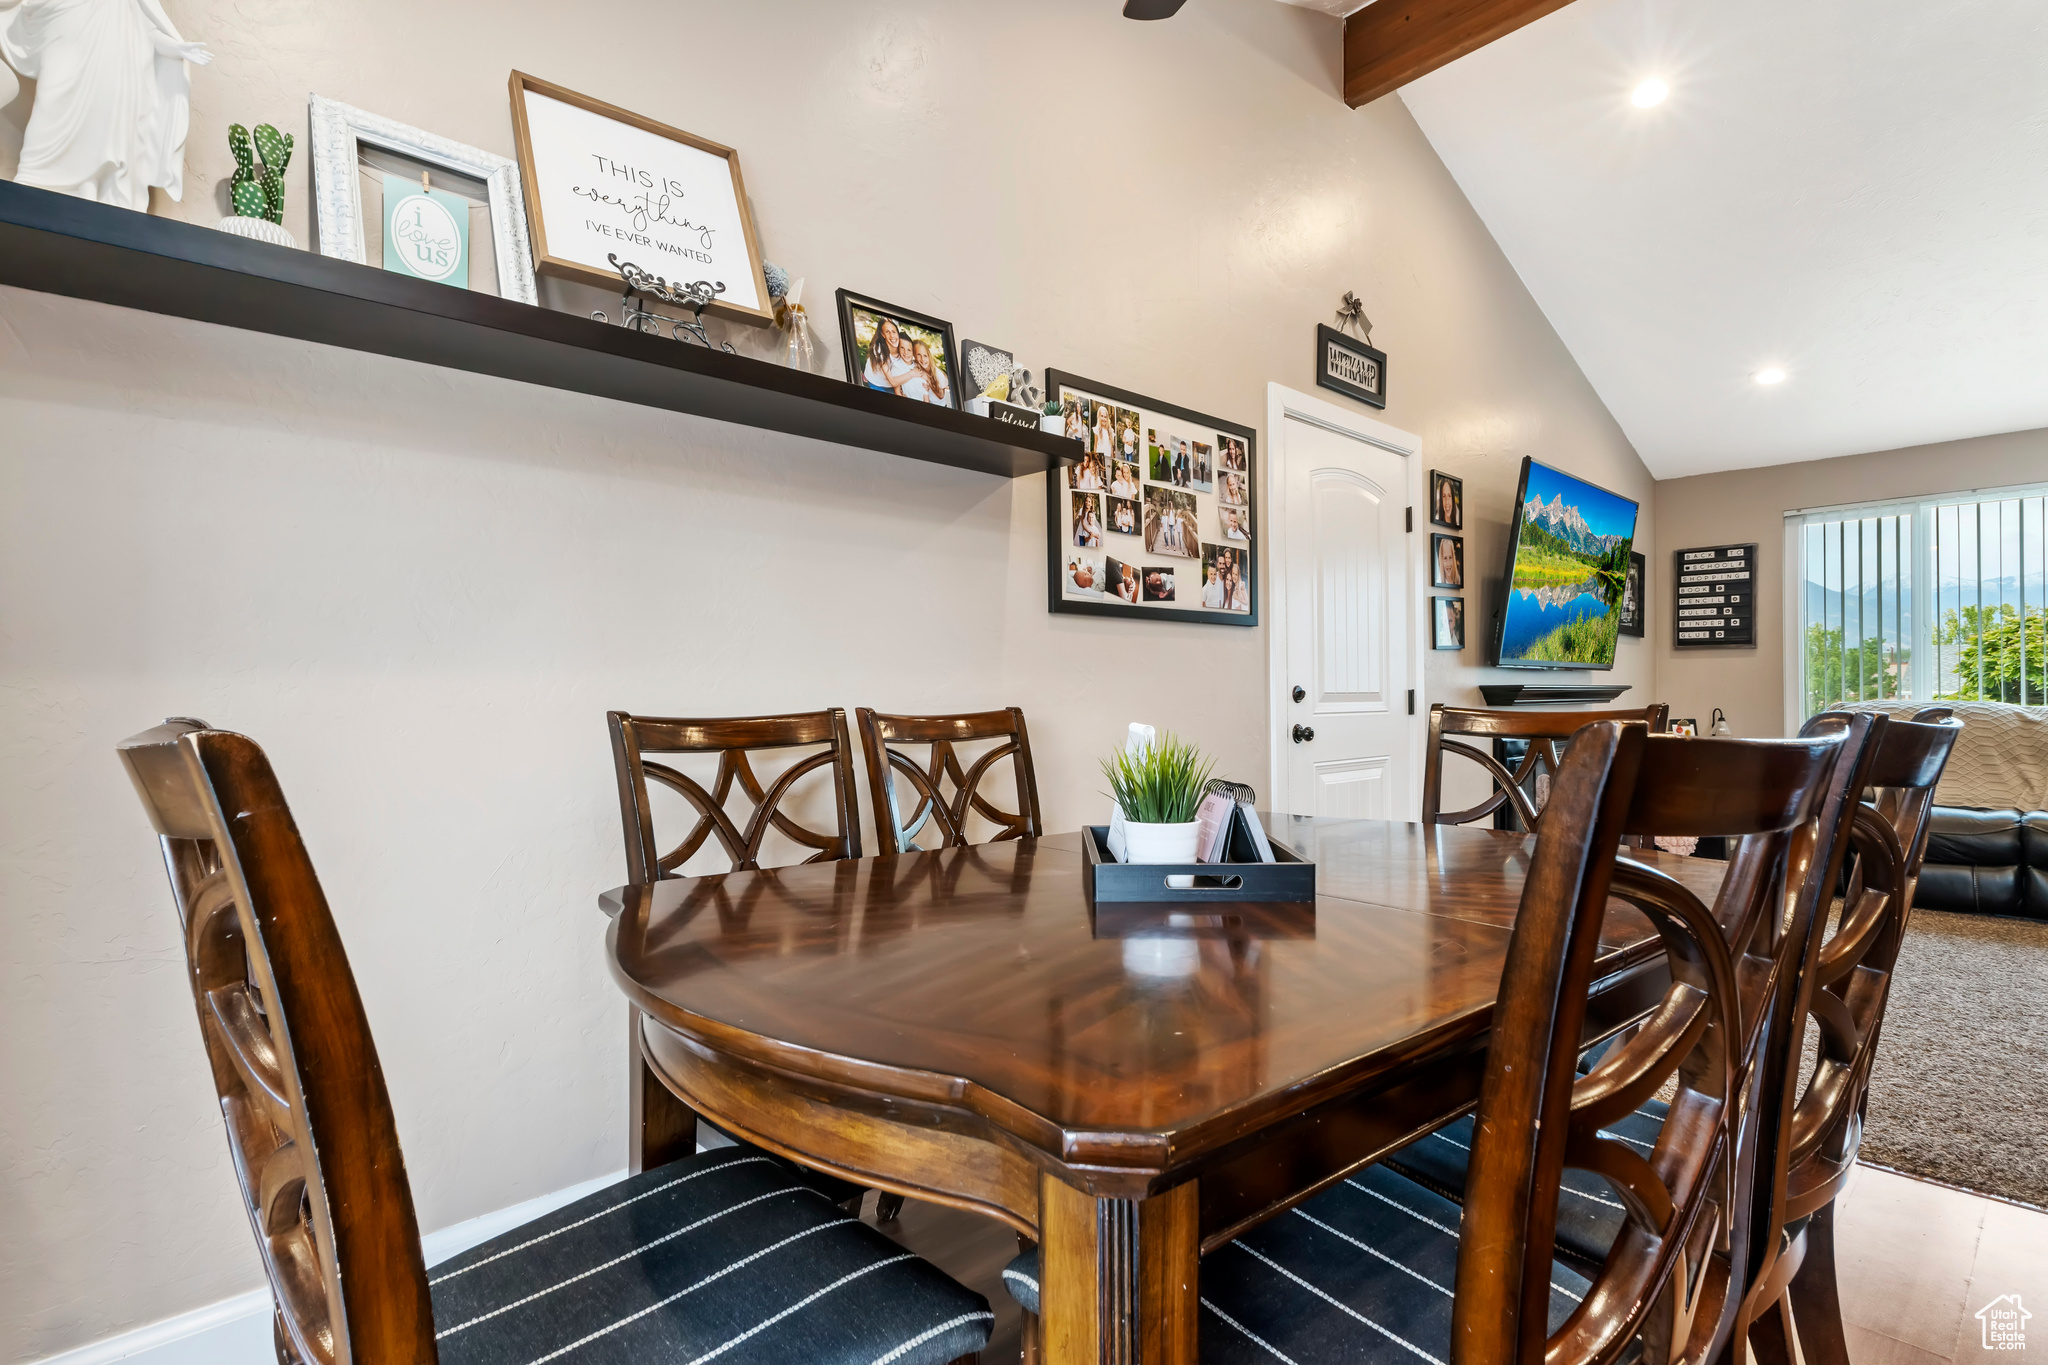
point(1567, 561)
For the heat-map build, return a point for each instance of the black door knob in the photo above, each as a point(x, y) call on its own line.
point(1300, 693)
point(1303, 733)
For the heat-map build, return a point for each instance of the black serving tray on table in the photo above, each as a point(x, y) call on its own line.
point(1288, 881)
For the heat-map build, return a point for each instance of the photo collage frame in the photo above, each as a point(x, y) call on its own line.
point(1158, 516)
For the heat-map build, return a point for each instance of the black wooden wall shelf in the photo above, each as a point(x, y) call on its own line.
point(61, 245)
point(1525, 694)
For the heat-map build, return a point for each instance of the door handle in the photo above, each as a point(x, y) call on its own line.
point(1300, 693)
point(1303, 734)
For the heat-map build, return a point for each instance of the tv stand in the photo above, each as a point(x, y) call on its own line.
point(1536, 694)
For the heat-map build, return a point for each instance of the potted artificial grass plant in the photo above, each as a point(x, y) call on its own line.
point(1157, 788)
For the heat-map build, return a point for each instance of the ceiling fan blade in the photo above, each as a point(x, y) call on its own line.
point(1152, 9)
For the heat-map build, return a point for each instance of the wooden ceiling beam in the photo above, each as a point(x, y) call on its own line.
point(1392, 42)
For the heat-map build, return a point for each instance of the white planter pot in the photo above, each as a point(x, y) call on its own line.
point(1052, 422)
point(1162, 844)
point(258, 229)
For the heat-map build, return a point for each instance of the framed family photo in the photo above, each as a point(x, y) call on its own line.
point(603, 181)
point(1446, 501)
point(1447, 622)
point(1446, 561)
point(899, 351)
point(1157, 517)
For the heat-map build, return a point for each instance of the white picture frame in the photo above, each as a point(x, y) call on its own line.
point(338, 130)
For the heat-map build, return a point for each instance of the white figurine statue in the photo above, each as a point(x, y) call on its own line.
point(113, 96)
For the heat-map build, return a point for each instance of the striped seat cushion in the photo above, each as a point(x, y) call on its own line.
point(1363, 1274)
point(1589, 1216)
point(721, 1256)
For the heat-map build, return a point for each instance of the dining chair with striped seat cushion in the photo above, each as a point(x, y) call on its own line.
point(723, 1255)
point(816, 756)
point(1591, 1211)
point(1377, 1263)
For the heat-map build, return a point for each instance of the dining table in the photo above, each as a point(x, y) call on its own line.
point(1127, 1085)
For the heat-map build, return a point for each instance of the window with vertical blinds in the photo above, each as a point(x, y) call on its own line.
point(1941, 599)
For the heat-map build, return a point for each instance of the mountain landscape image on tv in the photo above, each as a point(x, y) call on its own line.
point(1567, 563)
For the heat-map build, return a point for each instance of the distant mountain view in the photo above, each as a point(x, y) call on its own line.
point(1564, 522)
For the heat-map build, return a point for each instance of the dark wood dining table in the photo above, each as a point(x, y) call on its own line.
point(1127, 1086)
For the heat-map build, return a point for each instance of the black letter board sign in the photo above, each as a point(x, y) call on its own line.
point(1716, 596)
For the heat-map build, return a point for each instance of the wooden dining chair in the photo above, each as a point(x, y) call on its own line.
point(1844, 984)
point(931, 804)
point(1380, 1268)
point(734, 741)
point(1541, 731)
point(659, 1124)
point(722, 1254)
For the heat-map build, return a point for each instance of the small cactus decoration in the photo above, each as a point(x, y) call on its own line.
point(259, 192)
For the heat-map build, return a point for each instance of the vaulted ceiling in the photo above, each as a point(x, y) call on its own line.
point(1855, 195)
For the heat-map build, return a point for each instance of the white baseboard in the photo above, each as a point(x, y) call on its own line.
point(237, 1331)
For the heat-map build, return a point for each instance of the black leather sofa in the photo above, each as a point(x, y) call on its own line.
point(1988, 862)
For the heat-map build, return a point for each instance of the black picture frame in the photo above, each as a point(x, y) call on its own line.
point(1634, 597)
point(1438, 481)
point(1436, 578)
point(1447, 623)
point(1363, 368)
point(1057, 513)
point(850, 348)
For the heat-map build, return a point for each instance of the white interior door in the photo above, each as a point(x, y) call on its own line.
point(1346, 612)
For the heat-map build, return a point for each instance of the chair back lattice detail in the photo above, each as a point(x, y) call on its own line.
point(309, 1122)
point(635, 737)
point(1522, 788)
point(1843, 986)
point(894, 831)
point(1670, 1280)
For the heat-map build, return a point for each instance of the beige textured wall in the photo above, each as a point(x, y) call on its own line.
point(1750, 505)
point(421, 589)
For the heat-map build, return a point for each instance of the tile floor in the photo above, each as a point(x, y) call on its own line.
point(1917, 1261)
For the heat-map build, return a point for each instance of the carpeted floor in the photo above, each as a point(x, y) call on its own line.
point(1960, 1088)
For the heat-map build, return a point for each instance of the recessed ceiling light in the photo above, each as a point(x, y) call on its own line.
point(1650, 92)
point(1773, 375)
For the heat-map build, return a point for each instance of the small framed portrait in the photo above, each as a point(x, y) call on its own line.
point(1170, 523)
point(1125, 519)
point(1127, 440)
point(898, 351)
point(1087, 521)
point(1232, 520)
point(1085, 574)
point(1446, 561)
point(1230, 454)
point(1447, 622)
point(1632, 599)
point(1158, 583)
point(1230, 489)
point(1122, 581)
point(1125, 480)
point(1202, 471)
point(1446, 500)
point(1350, 367)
